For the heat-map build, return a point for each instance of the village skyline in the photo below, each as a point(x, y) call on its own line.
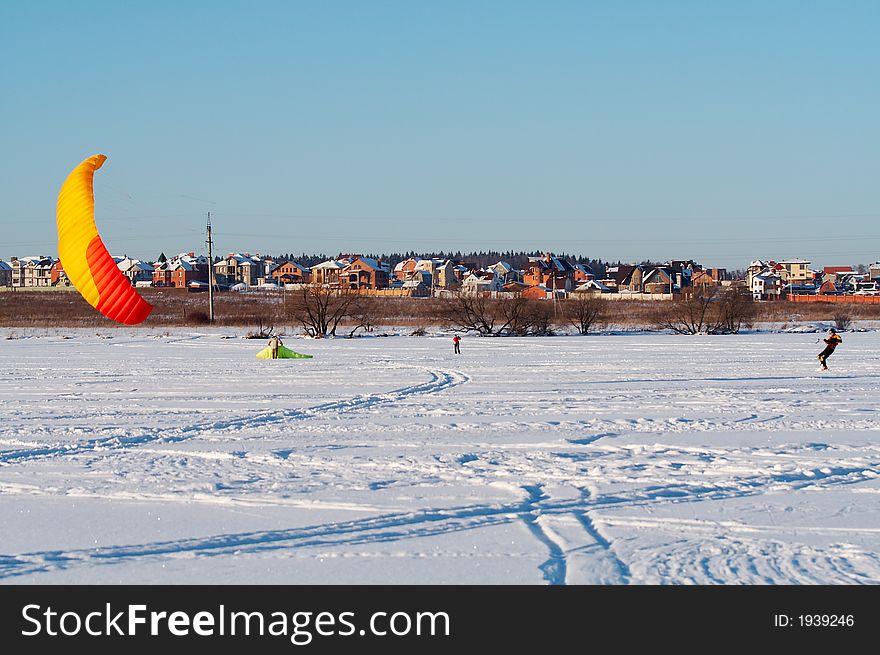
point(537, 275)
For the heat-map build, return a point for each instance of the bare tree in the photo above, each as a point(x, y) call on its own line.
point(517, 315)
point(541, 318)
point(263, 332)
point(472, 312)
point(689, 314)
point(320, 309)
point(584, 311)
point(842, 320)
point(708, 310)
point(735, 309)
point(363, 316)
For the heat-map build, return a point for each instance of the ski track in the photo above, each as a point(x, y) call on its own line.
point(533, 511)
point(440, 381)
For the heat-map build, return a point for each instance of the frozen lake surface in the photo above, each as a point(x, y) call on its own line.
point(131, 456)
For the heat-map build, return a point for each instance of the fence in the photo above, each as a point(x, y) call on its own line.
point(636, 296)
point(838, 299)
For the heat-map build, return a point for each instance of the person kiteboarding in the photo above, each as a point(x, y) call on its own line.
point(832, 341)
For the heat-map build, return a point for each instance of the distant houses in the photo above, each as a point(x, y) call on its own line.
point(181, 271)
point(794, 279)
point(771, 280)
point(541, 276)
point(550, 272)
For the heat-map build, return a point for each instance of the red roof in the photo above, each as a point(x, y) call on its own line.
point(837, 269)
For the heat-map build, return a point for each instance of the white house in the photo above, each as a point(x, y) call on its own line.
point(481, 281)
point(592, 286)
point(32, 271)
point(766, 286)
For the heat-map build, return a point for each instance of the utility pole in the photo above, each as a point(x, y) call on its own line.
point(210, 243)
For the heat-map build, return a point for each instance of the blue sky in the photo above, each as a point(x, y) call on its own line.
point(620, 130)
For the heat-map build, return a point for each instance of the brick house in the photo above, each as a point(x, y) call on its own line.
point(404, 270)
point(183, 272)
point(582, 273)
point(708, 277)
point(364, 273)
point(180, 270)
point(550, 271)
point(289, 272)
point(57, 275)
point(629, 279)
point(616, 275)
point(659, 280)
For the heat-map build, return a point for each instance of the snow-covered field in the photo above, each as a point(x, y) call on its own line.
point(133, 456)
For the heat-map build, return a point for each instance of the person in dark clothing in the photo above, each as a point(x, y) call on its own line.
point(455, 340)
point(832, 342)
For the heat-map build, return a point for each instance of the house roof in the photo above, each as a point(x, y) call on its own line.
point(243, 259)
point(369, 263)
point(658, 272)
point(39, 261)
point(622, 272)
point(481, 277)
point(330, 263)
point(560, 265)
point(128, 264)
point(414, 283)
point(592, 284)
point(4, 266)
point(305, 269)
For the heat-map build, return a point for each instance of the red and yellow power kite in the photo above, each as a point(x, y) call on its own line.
point(83, 255)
